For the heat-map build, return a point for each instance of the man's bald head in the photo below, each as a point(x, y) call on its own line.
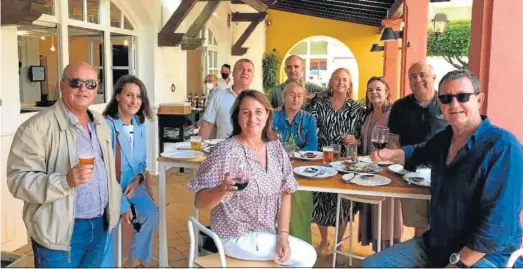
point(294, 68)
point(421, 80)
point(77, 66)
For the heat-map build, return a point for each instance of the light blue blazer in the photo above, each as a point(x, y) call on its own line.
point(132, 162)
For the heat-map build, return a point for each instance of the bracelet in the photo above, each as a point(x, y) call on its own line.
point(283, 232)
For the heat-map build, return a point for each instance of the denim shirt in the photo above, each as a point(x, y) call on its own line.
point(303, 129)
point(477, 199)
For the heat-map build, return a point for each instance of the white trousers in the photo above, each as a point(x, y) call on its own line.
point(261, 246)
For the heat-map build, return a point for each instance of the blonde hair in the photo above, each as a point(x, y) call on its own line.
point(349, 92)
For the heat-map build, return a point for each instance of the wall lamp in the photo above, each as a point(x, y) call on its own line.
point(375, 47)
point(389, 34)
point(439, 24)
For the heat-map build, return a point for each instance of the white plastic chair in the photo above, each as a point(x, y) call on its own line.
point(218, 259)
point(361, 199)
point(192, 224)
point(518, 253)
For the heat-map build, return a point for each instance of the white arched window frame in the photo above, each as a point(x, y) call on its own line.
point(309, 50)
point(210, 53)
point(114, 28)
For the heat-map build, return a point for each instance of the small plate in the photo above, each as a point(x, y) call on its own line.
point(207, 149)
point(423, 180)
point(309, 155)
point(213, 141)
point(398, 169)
point(364, 179)
point(182, 154)
point(315, 171)
point(366, 159)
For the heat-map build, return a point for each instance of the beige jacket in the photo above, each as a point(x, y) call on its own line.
point(43, 150)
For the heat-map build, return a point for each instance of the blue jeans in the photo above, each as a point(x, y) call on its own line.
point(411, 253)
point(87, 246)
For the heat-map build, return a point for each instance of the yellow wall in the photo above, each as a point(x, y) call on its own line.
point(287, 29)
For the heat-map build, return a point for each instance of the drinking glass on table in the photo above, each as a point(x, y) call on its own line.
point(352, 152)
point(290, 149)
point(328, 154)
point(196, 142)
point(380, 137)
point(238, 173)
point(336, 148)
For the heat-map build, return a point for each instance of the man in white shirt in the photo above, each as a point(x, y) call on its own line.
point(218, 111)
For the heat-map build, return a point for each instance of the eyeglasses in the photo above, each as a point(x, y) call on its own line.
point(461, 97)
point(136, 225)
point(76, 83)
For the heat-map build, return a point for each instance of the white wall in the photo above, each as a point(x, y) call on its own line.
point(14, 234)
point(440, 67)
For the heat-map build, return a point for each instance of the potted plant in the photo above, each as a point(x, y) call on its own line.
point(270, 69)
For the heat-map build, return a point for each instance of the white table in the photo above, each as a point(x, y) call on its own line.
point(397, 189)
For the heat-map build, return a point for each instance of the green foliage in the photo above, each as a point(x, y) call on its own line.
point(452, 45)
point(270, 69)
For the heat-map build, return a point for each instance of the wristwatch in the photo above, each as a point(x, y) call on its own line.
point(455, 259)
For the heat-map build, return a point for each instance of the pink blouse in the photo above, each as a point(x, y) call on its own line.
point(256, 207)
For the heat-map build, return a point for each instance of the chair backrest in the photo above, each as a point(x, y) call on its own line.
point(515, 255)
point(194, 228)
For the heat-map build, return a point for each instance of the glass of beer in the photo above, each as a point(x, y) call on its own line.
point(86, 159)
point(328, 154)
point(196, 142)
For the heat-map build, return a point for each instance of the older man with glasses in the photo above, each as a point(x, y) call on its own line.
point(61, 165)
point(476, 187)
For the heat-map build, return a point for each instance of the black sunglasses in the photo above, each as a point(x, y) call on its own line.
point(461, 97)
point(136, 225)
point(76, 83)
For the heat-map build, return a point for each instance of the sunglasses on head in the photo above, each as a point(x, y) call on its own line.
point(461, 97)
point(76, 83)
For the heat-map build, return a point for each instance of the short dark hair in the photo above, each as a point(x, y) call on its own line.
point(267, 133)
point(228, 66)
point(145, 109)
point(457, 74)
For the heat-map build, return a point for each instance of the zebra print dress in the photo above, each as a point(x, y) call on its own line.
point(333, 125)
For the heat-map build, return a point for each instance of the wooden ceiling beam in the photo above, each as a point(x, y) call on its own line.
point(396, 10)
point(16, 12)
point(248, 17)
point(167, 36)
point(258, 5)
point(202, 19)
point(370, 22)
point(255, 19)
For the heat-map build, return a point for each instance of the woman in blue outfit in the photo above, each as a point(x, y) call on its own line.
point(297, 128)
point(125, 114)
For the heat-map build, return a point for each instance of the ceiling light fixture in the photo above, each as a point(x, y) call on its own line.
point(52, 48)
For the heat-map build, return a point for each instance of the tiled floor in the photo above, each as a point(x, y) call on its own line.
point(179, 207)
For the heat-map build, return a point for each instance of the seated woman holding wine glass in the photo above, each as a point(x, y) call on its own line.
point(252, 219)
point(297, 131)
point(374, 134)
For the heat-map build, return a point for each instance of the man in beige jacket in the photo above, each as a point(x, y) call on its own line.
point(69, 206)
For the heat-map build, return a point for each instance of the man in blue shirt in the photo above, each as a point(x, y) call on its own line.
point(476, 187)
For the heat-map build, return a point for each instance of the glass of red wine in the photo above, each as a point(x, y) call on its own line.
point(380, 137)
point(238, 173)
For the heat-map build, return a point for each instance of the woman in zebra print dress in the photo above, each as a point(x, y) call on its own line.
point(339, 120)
